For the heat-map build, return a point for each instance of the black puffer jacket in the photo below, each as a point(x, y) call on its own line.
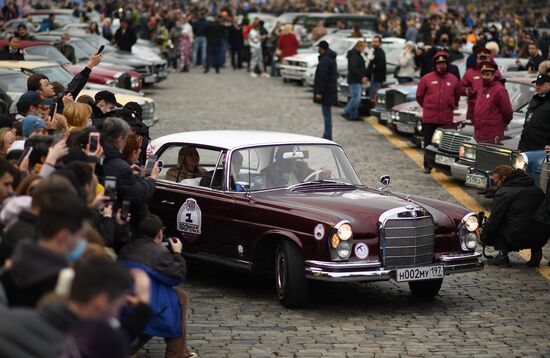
point(326, 77)
point(356, 66)
point(514, 206)
point(376, 70)
point(536, 129)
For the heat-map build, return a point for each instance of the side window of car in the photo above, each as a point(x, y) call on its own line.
point(245, 171)
point(191, 165)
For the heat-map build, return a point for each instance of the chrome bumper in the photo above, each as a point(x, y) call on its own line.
point(459, 170)
point(373, 270)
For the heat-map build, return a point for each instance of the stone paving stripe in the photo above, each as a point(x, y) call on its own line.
point(446, 182)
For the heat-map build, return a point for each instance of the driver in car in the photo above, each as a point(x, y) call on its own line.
point(288, 170)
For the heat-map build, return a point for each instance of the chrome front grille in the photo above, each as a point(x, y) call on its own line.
point(407, 238)
point(451, 141)
point(487, 160)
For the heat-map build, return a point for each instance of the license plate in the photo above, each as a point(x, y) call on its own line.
point(442, 159)
point(163, 74)
point(385, 116)
point(342, 98)
point(476, 181)
point(149, 79)
point(403, 128)
point(419, 273)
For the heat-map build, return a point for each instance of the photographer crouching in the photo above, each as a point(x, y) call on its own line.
point(512, 225)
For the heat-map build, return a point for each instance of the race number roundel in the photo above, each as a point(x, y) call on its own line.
point(189, 218)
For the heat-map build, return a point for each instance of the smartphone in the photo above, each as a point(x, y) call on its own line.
point(101, 48)
point(160, 164)
point(26, 152)
point(110, 188)
point(53, 109)
point(150, 165)
point(93, 141)
point(125, 209)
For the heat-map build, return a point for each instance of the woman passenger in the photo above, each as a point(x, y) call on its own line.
point(188, 166)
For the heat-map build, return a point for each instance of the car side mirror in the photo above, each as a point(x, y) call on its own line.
point(385, 181)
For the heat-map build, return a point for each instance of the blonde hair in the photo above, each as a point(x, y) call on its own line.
point(544, 67)
point(493, 47)
point(61, 121)
point(3, 132)
point(77, 115)
point(287, 29)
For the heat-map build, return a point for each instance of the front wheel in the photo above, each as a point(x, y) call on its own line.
point(290, 280)
point(425, 290)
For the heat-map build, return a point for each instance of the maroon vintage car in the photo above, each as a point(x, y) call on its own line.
point(293, 206)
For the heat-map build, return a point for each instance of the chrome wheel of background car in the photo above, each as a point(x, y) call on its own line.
point(425, 289)
point(290, 280)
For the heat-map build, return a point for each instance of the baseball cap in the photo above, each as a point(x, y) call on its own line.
point(323, 44)
point(107, 96)
point(542, 78)
point(30, 124)
point(30, 98)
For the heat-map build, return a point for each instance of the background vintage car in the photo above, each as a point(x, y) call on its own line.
point(333, 230)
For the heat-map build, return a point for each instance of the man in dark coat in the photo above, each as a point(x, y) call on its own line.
point(12, 52)
point(138, 190)
point(516, 201)
point(534, 59)
point(125, 36)
point(325, 89)
point(536, 129)
point(357, 76)
point(215, 34)
point(376, 70)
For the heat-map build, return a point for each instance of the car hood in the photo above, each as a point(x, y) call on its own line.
point(361, 207)
point(310, 58)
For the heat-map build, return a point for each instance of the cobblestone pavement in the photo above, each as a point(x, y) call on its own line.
point(496, 312)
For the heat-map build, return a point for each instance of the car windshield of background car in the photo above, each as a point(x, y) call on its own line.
point(520, 95)
point(50, 52)
point(341, 47)
point(16, 83)
point(56, 74)
point(262, 167)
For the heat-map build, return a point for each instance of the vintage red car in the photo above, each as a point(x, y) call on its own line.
point(293, 206)
point(103, 75)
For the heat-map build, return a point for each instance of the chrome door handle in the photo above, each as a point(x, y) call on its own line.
point(167, 202)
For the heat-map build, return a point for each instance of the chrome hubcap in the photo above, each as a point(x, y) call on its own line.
point(280, 273)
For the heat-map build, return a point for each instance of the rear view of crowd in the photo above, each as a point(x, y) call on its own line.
point(85, 268)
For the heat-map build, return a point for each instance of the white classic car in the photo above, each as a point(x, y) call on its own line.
point(301, 67)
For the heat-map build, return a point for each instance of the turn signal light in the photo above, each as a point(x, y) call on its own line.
point(334, 241)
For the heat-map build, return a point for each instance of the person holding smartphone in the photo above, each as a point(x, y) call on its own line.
point(138, 190)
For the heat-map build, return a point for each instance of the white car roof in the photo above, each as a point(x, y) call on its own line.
point(232, 139)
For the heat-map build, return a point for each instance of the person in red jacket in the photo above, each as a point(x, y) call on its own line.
point(493, 110)
point(438, 93)
point(472, 82)
point(287, 42)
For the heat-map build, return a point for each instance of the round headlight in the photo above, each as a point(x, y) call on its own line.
point(344, 249)
point(472, 223)
point(521, 161)
point(471, 241)
point(419, 125)
point(334, 241)
point(345, 232)
point(436, 138)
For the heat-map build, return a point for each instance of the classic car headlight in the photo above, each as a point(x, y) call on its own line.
point(345, 232)
point(467, 151)
point(341, 241)
point(521, 161)
point(303, 64)
point(419, 126)
point(436, 138)
point(468, 232)
point(381, 99)
point(111, 83)
point(134, 82)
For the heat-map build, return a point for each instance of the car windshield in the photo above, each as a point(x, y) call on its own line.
point(340, 47)
point(13, 83)
point(279, 166)
point(520, 95)
point(85, 48)
point(50, 52)
point(55, 74)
